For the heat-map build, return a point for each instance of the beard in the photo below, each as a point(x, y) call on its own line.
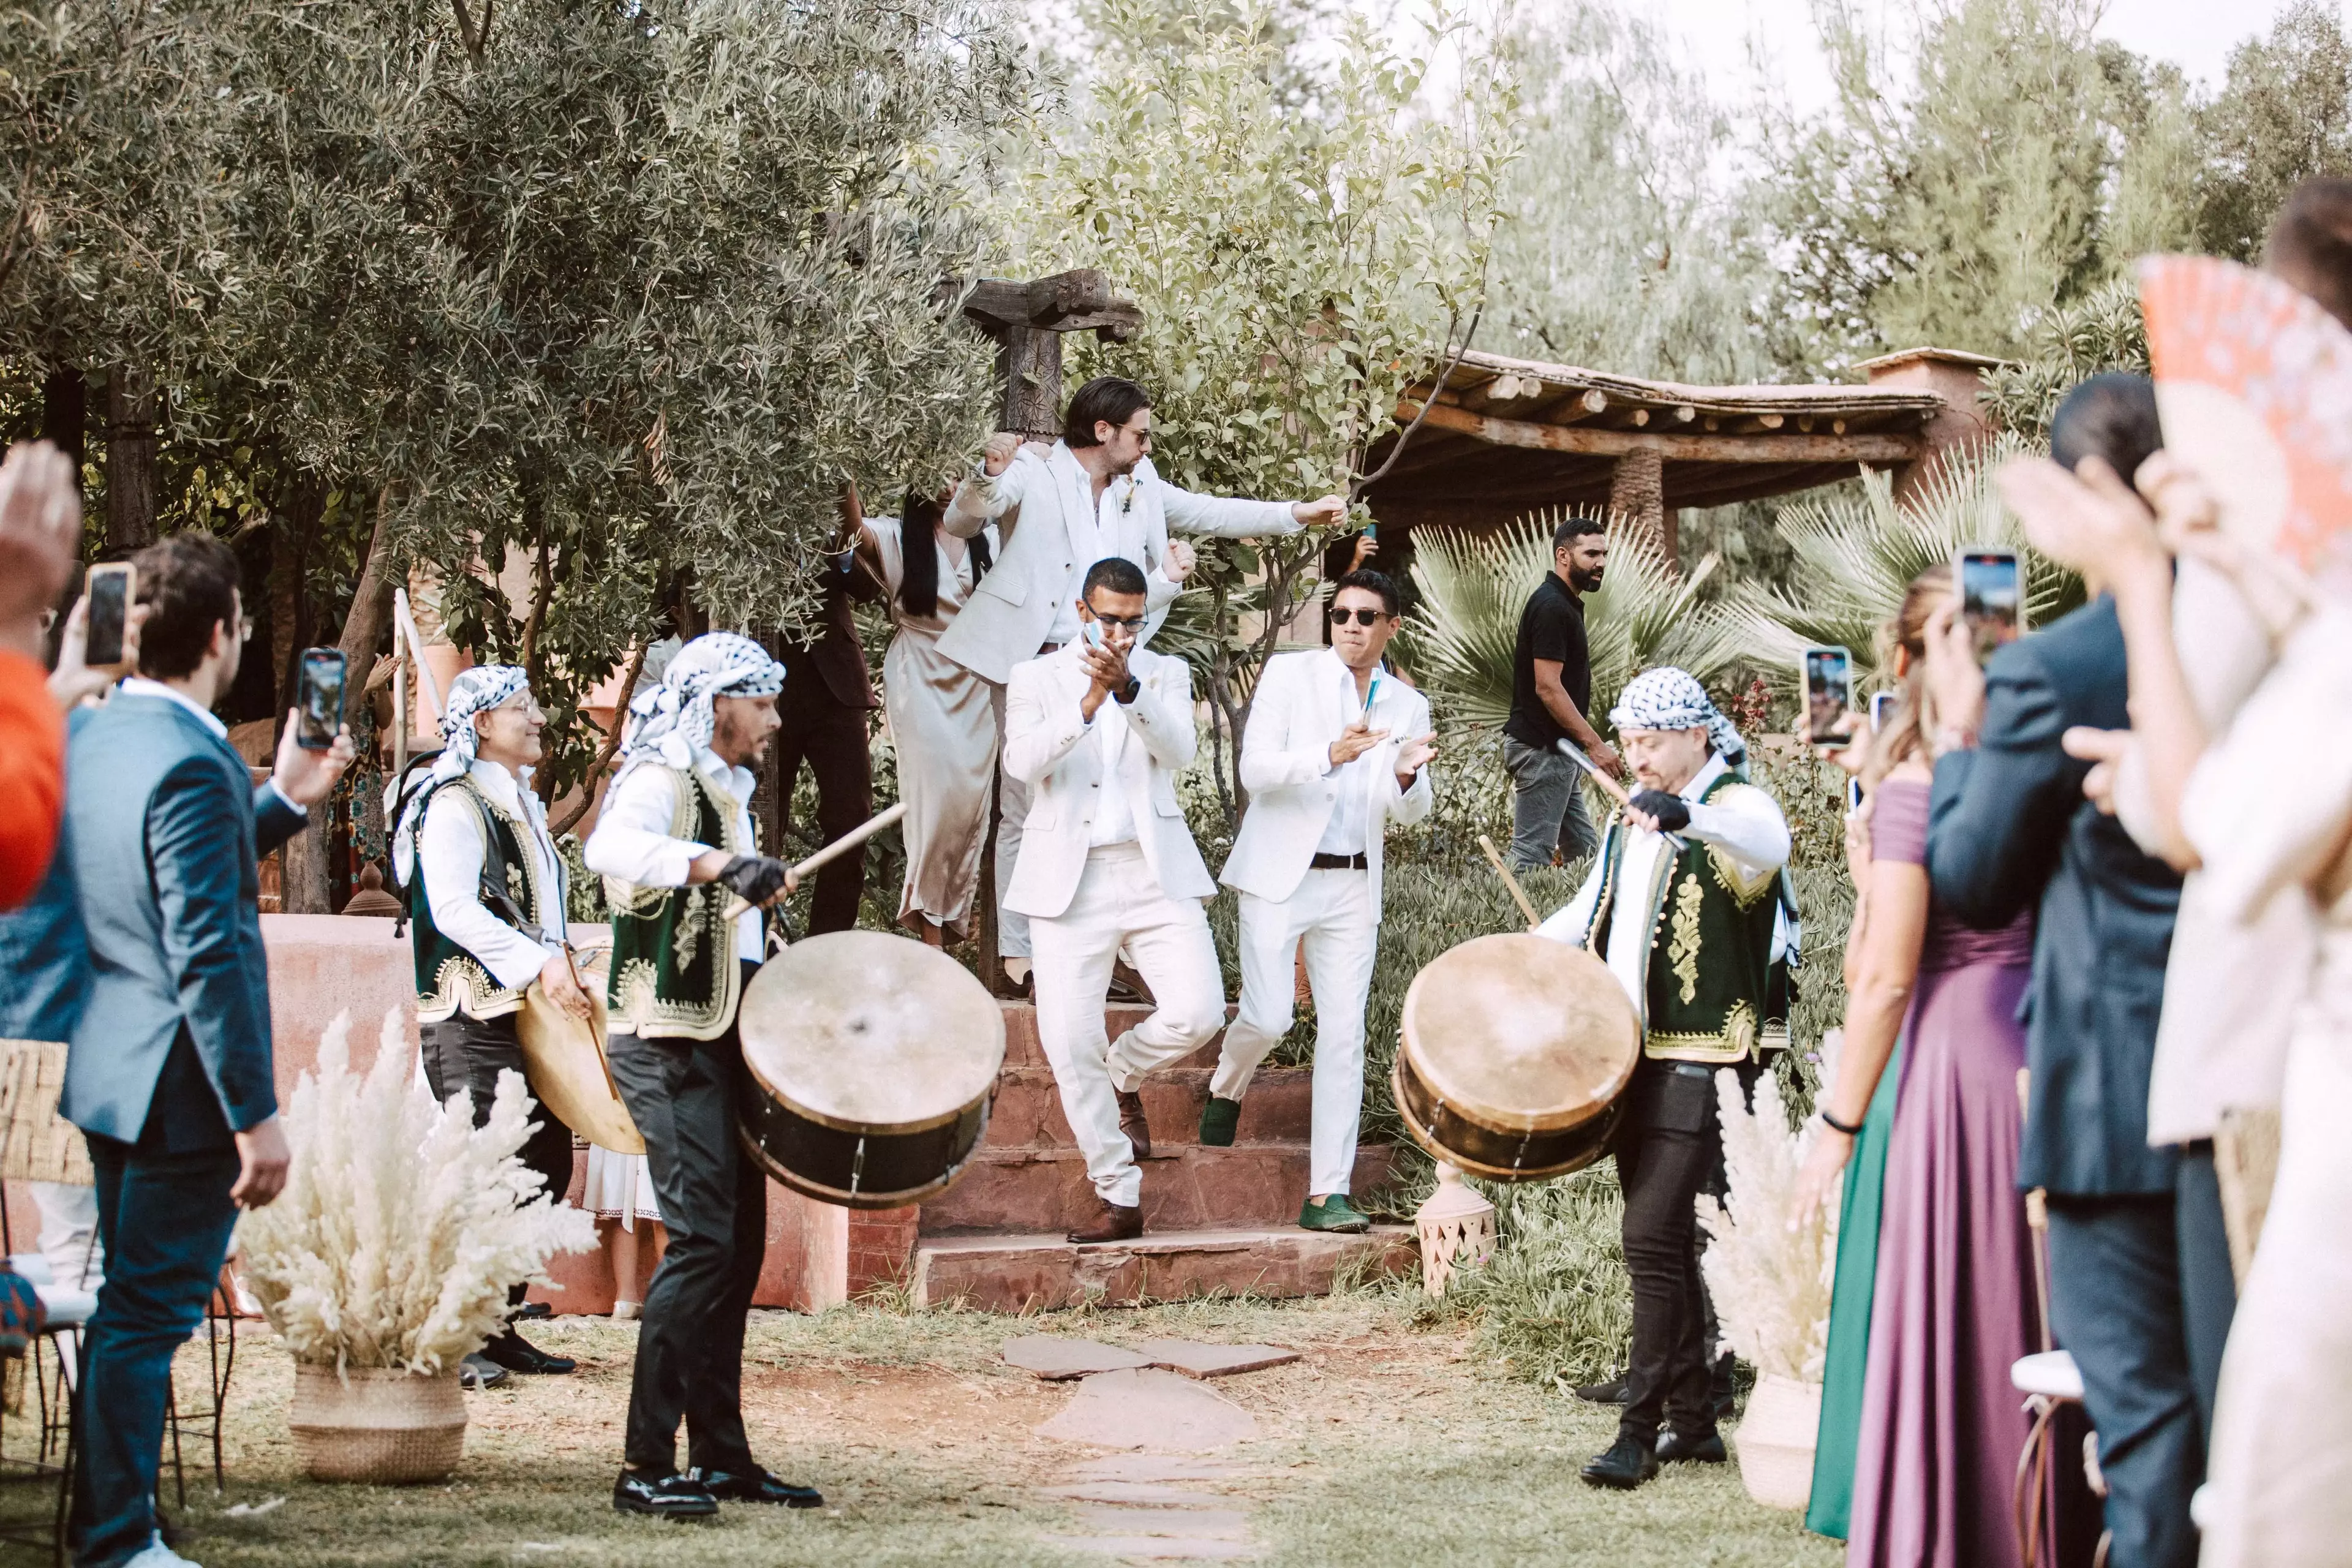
point(1585, 581)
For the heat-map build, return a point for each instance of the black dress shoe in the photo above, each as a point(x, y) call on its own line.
point(1628, 1463)
point(1706, 1448)
point(479, 1371)
point(515, 1353)
point(532, 1309)
point(677, 1495)
point(1610, 1393)
point(757, 1486)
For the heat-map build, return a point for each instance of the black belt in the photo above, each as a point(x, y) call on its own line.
point(1356, 862)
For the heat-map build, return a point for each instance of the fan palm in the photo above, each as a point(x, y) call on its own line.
point(1473, 588)
point(1858, 549)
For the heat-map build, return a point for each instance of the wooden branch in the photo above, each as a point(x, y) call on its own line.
point(605, 752)
point(1602, 443)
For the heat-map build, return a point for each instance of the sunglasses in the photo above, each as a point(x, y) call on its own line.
point(1362, 617)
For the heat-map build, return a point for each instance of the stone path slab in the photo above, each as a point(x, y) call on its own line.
point(1057, 1360)
point(1149, 1409)
point(1196, 1359)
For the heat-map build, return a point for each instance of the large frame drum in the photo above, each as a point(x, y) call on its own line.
point(873, 1060)
point(1515, 1050)
point(564, 1061)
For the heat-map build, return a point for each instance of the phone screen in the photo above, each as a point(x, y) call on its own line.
point(1992, 598)
point(319, 709)
point(1829, 693)
point(1094, 634)
point(109, 589)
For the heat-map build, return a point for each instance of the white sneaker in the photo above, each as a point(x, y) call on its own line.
point(158, 1555)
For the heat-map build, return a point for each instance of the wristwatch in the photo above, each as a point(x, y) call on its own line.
point(1126, 694)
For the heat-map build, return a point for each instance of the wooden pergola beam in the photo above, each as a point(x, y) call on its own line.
point(1593, 441)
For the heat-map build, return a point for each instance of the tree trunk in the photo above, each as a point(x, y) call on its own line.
point(65, 413)
point(1637, 486)
point(1029, 360)
point(132, 407)
point(309, 880)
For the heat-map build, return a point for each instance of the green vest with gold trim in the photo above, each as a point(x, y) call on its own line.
point(1715, 991)
point(675, 974)
point(449, 979)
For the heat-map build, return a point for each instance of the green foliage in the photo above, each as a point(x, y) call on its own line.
point(2284, 114)
point(2101, 330)
point(1555, 1304)
point(1473, 588)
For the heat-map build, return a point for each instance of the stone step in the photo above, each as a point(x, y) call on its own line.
point(1040, 1272)
point(1279, 1108)
point(1185, 1187)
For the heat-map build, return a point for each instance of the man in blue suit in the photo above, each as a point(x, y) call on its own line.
point(170, 1074)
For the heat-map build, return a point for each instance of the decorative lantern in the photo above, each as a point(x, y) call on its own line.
point(1456, 1225)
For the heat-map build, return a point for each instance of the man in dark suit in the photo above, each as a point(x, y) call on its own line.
point(170, 1074)
point(2008, 827)
point(827, 698)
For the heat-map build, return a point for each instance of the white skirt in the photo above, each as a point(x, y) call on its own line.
point(620, 1187)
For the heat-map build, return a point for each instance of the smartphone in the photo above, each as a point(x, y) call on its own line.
point(1829, 694)
point(1094, 633)
point(109, 589)
point(1372, 532)
point(319, 706)
point(1992, 596)
point(1881, 708)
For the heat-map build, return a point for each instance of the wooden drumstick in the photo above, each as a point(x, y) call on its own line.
point(1496, 860)
point(839, 846)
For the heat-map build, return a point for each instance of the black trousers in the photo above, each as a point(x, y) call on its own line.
point(832, 738)
point(1670, 1150)
point(714, 1204)
point(469, 1054)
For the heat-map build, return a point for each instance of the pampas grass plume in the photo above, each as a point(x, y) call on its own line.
point(401, 1224)
point(1770, 1282)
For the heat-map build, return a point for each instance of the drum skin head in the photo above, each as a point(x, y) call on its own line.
point(1521, 1033)
point(867, 1032)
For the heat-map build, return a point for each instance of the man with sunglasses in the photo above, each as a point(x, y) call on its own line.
point(1099, 729)
point(1336, 749)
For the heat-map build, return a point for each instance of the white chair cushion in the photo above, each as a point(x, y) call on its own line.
point(2052, 1373)
point(67, 1307)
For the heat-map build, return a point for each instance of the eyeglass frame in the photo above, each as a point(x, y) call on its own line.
point(1362, 615)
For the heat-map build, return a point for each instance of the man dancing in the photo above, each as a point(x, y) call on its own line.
point(1337, 748)
point(1099, 729)
point(675, 840)
point(487, 892)
point(1693, 932)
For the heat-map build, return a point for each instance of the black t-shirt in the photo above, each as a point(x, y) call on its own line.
point(1551, 627)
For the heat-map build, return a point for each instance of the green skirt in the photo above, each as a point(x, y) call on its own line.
point(1848, 1361)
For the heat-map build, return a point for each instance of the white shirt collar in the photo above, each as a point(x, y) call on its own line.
point(1705, 778)
point(139, 685)
point(738, 782)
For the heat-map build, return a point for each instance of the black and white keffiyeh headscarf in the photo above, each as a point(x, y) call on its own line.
point(474, 693)
point(674, 720)
point(1670, 699)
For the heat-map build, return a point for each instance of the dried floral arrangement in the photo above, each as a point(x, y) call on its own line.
point(1771, 1280)
point(401, 1224)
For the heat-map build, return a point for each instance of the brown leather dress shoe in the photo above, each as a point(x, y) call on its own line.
point(1131, 1122)
point(1117, 1222)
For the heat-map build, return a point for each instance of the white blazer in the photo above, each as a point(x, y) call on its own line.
point(1304, 701)
point(1044, 505)
point(1049, 746)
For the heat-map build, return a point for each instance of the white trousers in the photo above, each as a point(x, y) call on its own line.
point(1332, 914)
point(1118, 903)
point(70, 1234)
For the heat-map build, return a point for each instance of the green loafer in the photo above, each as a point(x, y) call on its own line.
point(1332, 1214)
point(1219, 1119)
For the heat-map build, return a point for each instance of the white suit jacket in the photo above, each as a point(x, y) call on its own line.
point(1049, 746)
point(1044, 505)
point(1304, 701)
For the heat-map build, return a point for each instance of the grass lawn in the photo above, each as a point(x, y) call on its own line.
point(1385, 1444)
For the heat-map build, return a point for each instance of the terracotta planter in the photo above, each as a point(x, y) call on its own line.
point(1775, 1441)
point(377, 1425)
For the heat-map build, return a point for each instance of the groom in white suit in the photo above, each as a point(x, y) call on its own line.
point(1090, 496)
point(1098, 730)
point(1336, 749)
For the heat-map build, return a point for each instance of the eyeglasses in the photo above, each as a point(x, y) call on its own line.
point(1362, 617)
point(1130, 623)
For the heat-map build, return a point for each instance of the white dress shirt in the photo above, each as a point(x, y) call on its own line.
point(139, 685)
point(1114, 818)
point(1111, 512)
point(632, 841)
point(449, 850)
point(1351, 812)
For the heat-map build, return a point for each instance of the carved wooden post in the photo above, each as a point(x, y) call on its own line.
point(1637, 490)
point(1027, 321)
point(132, 408)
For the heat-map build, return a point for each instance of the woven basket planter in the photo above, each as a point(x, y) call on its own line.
point(377, 1426)
point(1776, 1439)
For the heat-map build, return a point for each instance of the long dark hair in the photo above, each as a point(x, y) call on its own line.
point(918, 555)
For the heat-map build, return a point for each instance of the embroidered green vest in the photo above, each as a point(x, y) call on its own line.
point(450, 980)
point(675, 974)
point(1717, 993)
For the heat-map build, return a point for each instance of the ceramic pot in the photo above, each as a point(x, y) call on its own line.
point(1775, 1441)
point(376, 1425)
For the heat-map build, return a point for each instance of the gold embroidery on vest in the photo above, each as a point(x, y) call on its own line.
point(1684, 950)
point(688, 941)
point(1744, 888)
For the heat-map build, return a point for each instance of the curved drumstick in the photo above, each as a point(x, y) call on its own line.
point(1496, 860)
point(839, 846)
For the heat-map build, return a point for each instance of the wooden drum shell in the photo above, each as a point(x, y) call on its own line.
point(1446, 1134)
point(858, 1170)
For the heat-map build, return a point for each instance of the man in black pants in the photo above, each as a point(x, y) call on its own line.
point(1684, 906)
point(675, 845)
point(828, 696)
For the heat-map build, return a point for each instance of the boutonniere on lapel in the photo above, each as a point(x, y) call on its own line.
point(1127, 498)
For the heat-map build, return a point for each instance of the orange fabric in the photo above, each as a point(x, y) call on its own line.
point(32, 777)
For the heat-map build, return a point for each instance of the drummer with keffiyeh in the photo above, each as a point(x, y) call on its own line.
point(1686, 905)
point(675, 844)
point(486, 892)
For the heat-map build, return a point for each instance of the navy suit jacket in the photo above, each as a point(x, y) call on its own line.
point(166, 827)
point(2008, 827)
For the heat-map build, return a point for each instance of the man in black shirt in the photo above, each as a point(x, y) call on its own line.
point(1551, 686)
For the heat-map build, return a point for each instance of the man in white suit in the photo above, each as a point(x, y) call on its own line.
point(1336, 749)
point(1098, 730)
point(1090, 496)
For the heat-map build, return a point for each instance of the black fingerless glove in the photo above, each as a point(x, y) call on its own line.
point(757, 878)
point(1671, 811)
